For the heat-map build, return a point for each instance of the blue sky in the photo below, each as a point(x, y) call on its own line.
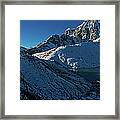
point(32, 32)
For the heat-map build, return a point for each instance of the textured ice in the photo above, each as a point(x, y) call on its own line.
point(85, 55)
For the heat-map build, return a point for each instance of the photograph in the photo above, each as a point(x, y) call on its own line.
point(59, 59)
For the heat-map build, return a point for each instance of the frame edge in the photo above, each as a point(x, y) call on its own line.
point(2, 62)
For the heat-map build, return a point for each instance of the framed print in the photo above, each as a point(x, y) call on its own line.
point(59, 59)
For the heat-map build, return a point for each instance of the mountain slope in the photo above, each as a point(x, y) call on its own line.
point(50, 80)
point(84, 55)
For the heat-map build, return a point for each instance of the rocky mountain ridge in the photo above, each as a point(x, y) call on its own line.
point(88, 31)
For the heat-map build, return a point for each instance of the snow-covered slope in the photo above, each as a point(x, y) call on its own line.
point(51, 80)
point(84, 55)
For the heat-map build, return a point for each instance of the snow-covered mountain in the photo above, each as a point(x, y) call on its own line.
point(88, 31)
point(64, 67)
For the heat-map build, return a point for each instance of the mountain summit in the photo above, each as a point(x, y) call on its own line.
point(88, 31)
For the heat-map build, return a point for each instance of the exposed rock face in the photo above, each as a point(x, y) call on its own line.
point(86, 32)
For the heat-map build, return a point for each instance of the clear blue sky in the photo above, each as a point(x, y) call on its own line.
point(32, 32)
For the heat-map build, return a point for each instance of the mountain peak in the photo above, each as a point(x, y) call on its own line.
point(89, 30)
point(86, 32)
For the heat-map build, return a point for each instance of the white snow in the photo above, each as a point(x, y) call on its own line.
point(85, 55)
